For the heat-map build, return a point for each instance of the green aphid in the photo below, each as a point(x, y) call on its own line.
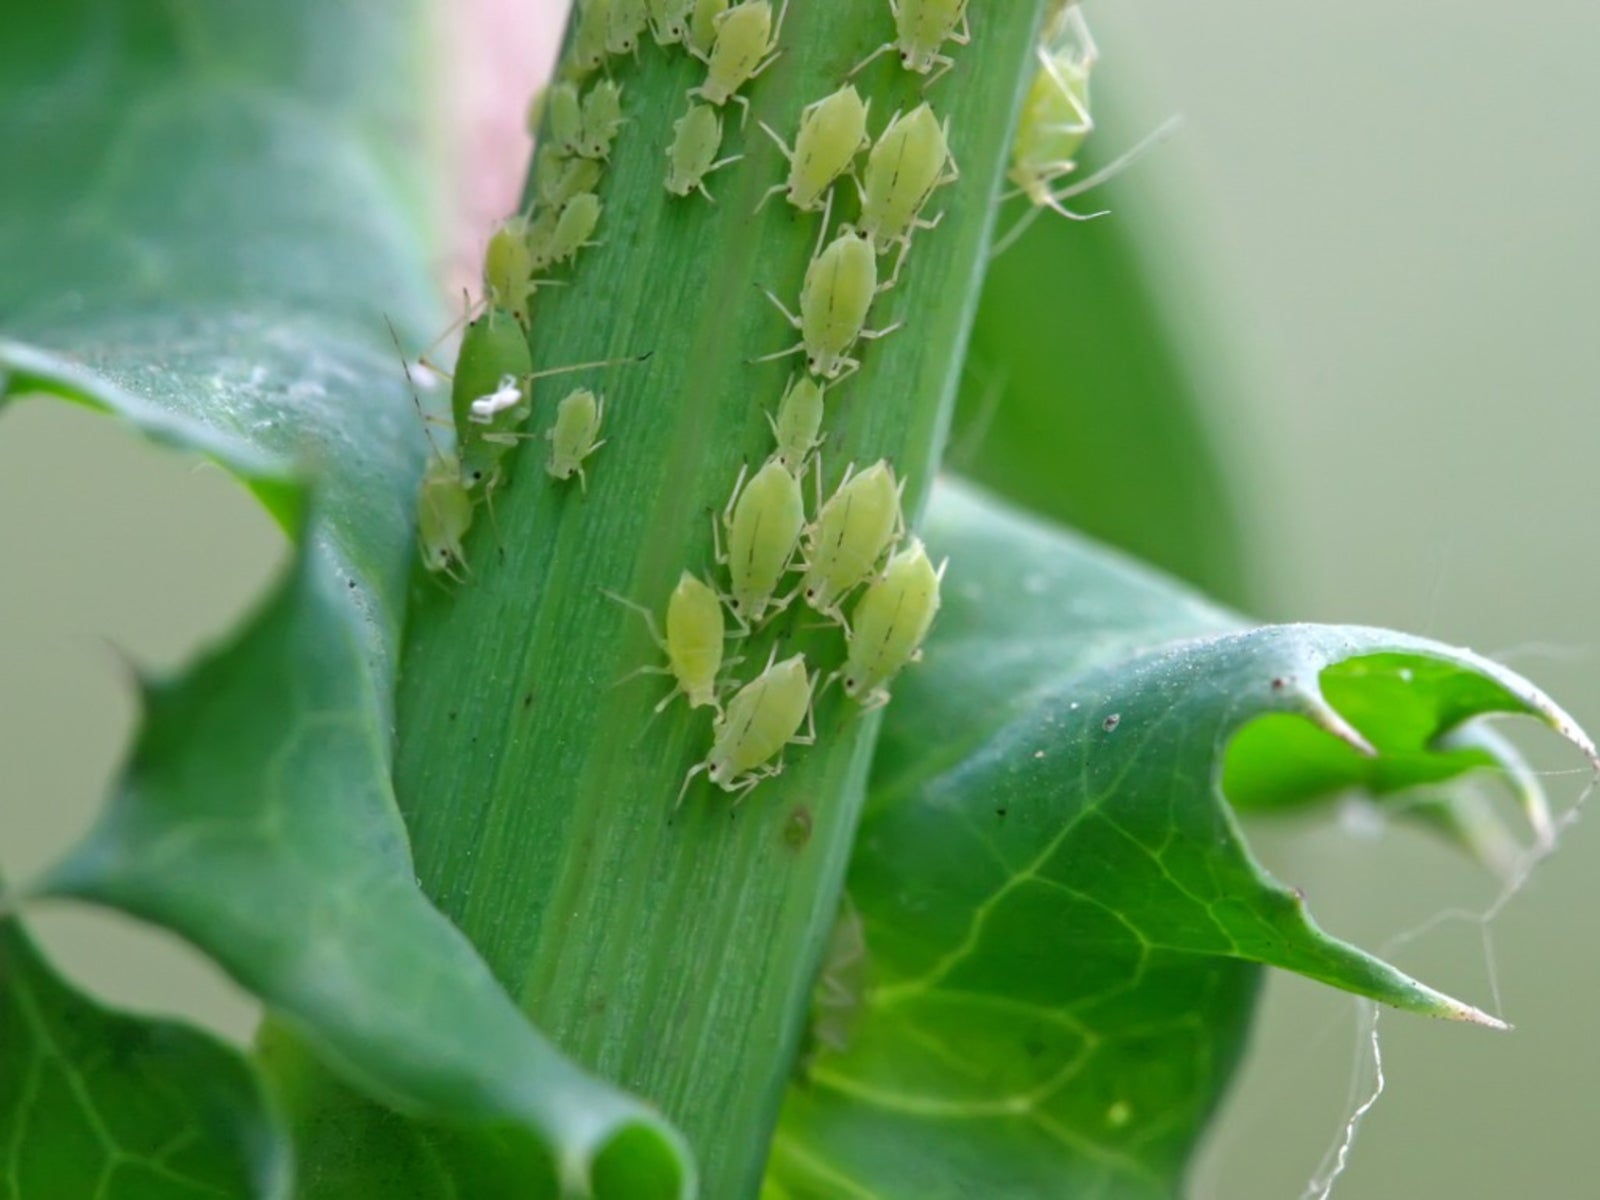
point(890, 623)
point(696, 137)
point(558, 177)
point(762, 718)
point(602, 117)
point(907, 164)
point(556, 237)
point(564, 110)
point(670, 20)
point(746, 44)
point(588, 52)
point(832, 132)
point(763, 520)
point(922, 27)
point(694, 644)
point(489, 396)
point(575, 435)
point(703, 26)
point(444, 515)
point(797, 425)
point(624, 25)
point(854, 529)
point(839, 288)
point(508, 269)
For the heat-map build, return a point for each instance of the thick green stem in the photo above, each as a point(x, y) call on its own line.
point(674, 951)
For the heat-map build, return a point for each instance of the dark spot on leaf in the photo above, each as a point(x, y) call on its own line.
point(1000, 812)
point(1279, 683)
point(797, 829)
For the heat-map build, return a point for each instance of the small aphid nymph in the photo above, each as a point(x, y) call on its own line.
point(575, 434)
point(602, 117)
point(907, 163)
point(557, 178)
point(847, 541)
point(922, 27)
point(832, 132)
point(444, 514)
point(508, 269)
point(589, 42)
point(703, 26)
point(763, 521)
point(696, 137)
point(559, 240)
point(670, 20)
point(838, 291)
point(889, 624)
point(762, 718)
point(565, 112)
point(797, 425)
point(624, 24)
point(746, 45)
point(693, 645)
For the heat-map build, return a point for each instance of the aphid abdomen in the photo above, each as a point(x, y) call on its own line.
point(694, 642)
point(764, 527)
point(890, 623)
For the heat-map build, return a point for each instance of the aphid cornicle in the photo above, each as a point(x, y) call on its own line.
point(853, 529)
point(703, 26)
point(670, 20)
point(564, 110)
point(763, 520)
point(693, 645)
point(696, 137)
point(746, 44)
point(762, 718)
point(624, 23)
point(796, 426)
point(832, 132)
point(922, 27)
point(907, 163)
point(838, 291)
point(492, 351)
point(602, 117)
point(575, 434)
point(889, 624)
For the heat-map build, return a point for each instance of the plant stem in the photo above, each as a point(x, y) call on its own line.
point(674, 951)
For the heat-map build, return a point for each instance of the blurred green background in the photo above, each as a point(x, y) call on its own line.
point(1391, 209)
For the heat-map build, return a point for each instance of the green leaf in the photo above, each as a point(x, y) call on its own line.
point(98, 1103)
point(1092, 389)
point(205, 238)
point(1061, 917)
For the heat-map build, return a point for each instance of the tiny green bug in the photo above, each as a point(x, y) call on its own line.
point(763, 519)
point(444, 514)
point(696, 136)
point(491, 365)
point(703, 26)
point(588, 51)
point(832, 132)
point(909, 161)
point(762, 718)
point(889, 624)
point(564, 110)
point(602, 117)
point(573, 436)
point(693, 645)
point(557, 178)
point(922, 27)
point(839, 288)
point(796, 426)
point(625, 22)
point(853, 529)
point(557, 238)
point(670, 20)
point(746, 45)
point(508, 269)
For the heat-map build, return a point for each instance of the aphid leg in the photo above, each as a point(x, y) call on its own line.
point(687, 779)
point(1024, 223)
point(878, 53)
point(899, 262)
point(701, 185)
point(945, 62)
point(787, 315)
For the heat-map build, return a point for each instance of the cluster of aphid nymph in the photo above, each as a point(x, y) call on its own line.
point(780, 543)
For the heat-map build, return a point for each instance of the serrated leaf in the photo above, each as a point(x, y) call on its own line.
point(1061, 916)
point(99, 1103)
point(205, 237)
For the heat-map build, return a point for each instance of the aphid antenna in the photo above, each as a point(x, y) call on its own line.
point(547, 372)
point(688, 779)
point(1150, 140)
point(468, 311)
point(411, 386)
